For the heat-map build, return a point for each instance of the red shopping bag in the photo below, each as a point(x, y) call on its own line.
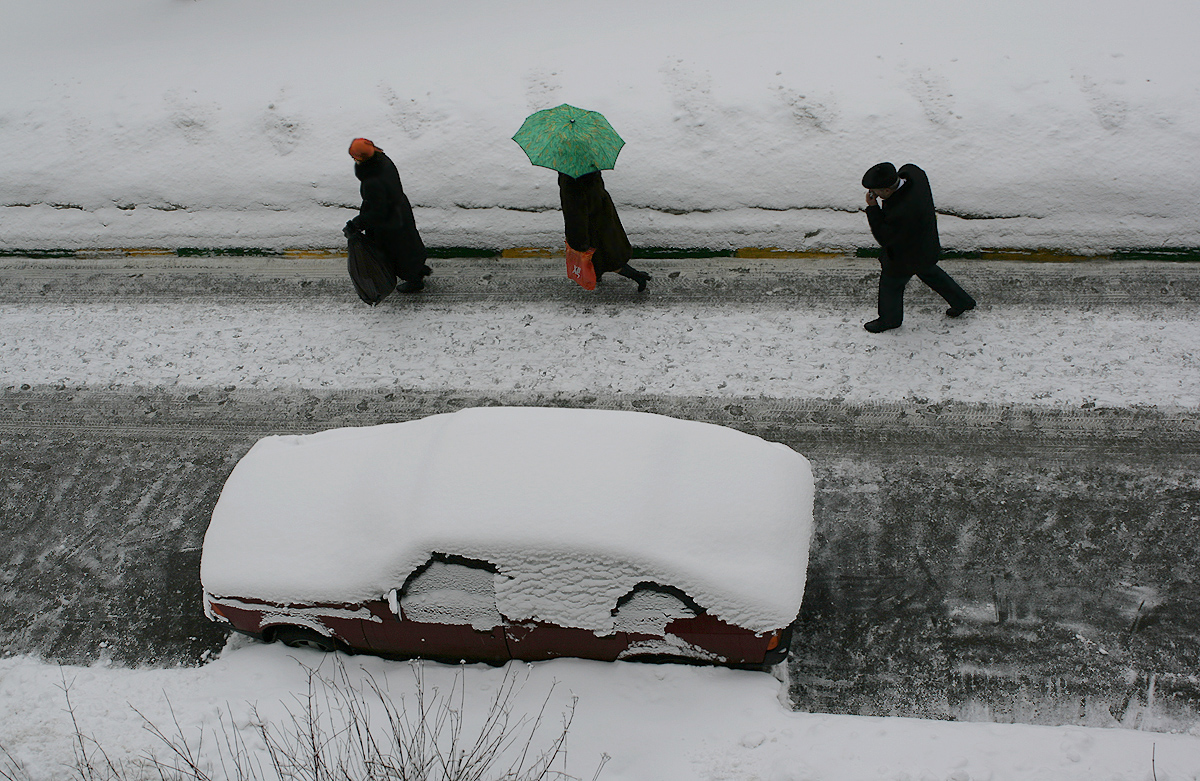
point(580, 268)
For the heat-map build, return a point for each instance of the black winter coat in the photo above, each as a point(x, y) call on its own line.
point(905, 225)
point(591, 221)
point(387, 216)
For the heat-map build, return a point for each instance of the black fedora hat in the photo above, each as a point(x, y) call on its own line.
point(880, 177)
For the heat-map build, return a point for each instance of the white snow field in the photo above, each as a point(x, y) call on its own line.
point(218, 123)
point(213, 123)
point(656, 722)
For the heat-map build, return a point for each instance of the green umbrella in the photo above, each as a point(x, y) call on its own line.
point(570, 140)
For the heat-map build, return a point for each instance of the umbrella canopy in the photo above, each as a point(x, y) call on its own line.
point(569, 140)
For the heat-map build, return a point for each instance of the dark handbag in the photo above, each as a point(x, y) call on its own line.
point(369, 270)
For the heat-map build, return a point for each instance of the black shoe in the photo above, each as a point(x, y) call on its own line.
point(877, 326)
point(411, 287)
point(955, 311)
point(426, 271)
point(640, 277)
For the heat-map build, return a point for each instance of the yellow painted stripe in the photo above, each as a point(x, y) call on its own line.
point(527, 252)
point(314, 254)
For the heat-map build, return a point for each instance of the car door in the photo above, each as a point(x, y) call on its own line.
point(445, 610)
point(536, 641)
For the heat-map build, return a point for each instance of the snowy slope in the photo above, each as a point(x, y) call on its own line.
point(220, 123)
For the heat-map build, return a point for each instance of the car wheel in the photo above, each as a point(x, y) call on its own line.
point(303, 637)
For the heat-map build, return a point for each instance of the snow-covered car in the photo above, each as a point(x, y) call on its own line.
point(529, 533)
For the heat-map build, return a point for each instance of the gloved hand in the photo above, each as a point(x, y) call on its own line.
point(350, 229)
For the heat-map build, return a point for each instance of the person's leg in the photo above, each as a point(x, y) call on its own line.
point(412, 276)
point(945, 286)
point(891, 302)
point(408, 261)
point(641, 277)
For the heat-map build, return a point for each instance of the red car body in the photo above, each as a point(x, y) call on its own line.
point(373, 627)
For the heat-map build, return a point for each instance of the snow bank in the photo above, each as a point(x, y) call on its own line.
point(661, 722)
point(221, 123)
point(573, 507)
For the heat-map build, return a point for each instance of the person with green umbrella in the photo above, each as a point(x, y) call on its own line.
point(578, 144)
point(591, 222)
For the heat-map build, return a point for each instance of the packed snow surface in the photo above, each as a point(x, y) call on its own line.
point(776, 349)
point(655, 722)
point(573, 507)
point(224, 123)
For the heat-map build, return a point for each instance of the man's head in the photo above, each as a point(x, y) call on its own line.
point(882, 180)
point(362, 150)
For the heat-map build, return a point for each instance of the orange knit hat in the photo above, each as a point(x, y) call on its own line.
point(362, 149)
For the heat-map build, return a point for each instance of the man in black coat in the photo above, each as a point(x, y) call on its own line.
point(387, 216)
point(906, 228)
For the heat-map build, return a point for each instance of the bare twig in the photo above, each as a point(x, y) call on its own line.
point(83, 756)
point(11, 769)
point(329, 733)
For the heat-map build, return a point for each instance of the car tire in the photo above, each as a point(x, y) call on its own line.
point(303, 637)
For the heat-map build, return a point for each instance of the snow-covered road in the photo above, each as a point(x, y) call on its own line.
point(141, 351)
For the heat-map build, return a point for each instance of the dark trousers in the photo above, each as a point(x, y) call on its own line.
point(405, 251)
point(891, 292)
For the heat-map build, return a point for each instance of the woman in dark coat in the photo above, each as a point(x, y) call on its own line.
point(591, 222)
point(387, 216)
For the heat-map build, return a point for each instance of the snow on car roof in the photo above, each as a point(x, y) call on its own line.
point(573, 507)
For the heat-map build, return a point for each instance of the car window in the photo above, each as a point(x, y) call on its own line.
point(650, 607)
point(458, 591)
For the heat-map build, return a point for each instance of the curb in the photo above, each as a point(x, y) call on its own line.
point(1166, 254)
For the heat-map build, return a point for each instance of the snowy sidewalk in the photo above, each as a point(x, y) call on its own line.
point(735, 328)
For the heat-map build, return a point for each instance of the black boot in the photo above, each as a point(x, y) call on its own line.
point(877, 326)
point(640, 277)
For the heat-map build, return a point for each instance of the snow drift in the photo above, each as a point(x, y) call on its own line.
point(161, 123)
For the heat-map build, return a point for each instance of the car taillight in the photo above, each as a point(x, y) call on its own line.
point(773, 643)
point(214, 607)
